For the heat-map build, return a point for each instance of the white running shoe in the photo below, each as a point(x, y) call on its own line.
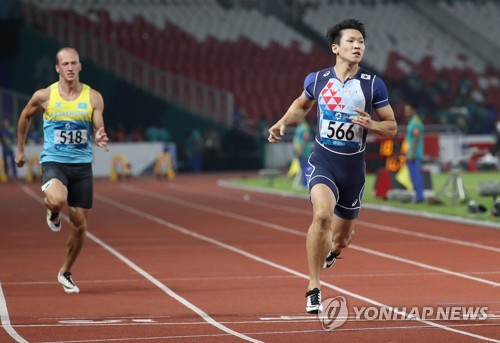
point(67, 282)
point(314, 305)
point(54, 223)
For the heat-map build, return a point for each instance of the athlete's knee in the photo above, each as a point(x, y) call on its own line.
point(79, 230)
point(79, 223)
point(323, 218)
point(55, 200)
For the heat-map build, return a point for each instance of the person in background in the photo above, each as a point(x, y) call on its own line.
point(302, 147)
point(346, 95)
point(72, 118)
point(7, 139)
point(261, 134)
point(194, 149)
point(212, 148)
point(414, 141)
point(495, 149)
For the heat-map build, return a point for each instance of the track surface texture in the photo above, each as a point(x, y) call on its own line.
point(191, 261)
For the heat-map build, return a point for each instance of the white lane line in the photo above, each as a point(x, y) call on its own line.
point(143, 339)
point(493, 321)
point(153, 280)
point(383, 208)
point(281, 333)
point(5, 320)
point(427, 266)
point(227, 278)
point(213, 210)
point(359, 222)
point(280, 267)
point(428, 236)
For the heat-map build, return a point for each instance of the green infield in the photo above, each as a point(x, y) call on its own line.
point(459, 209)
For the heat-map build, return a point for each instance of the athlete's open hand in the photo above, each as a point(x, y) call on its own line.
point(101, 138)
point(364, 120)
point(276, 131)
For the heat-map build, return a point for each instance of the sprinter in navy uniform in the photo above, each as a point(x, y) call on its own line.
point(351, 101)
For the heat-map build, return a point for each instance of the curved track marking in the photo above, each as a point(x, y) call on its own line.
point(4, 317)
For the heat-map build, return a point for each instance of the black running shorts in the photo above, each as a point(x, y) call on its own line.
point(77, 177)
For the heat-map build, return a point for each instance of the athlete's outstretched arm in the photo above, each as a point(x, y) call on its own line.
point(34, 105)
point(100, 136)
point(297, 110)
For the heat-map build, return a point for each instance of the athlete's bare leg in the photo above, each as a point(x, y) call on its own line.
point(319, 235)
point(78, 217)
point(342, 233)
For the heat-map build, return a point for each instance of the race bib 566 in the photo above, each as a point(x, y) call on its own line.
point(337, 129)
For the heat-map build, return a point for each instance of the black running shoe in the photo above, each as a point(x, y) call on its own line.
point(54, 220)
point(314, 305)
point(330, 260)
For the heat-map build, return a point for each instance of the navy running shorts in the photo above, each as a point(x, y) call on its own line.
point(343, 174)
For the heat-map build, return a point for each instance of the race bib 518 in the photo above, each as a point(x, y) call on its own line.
point(70, 135)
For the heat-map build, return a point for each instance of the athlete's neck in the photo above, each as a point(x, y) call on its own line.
point(70, 90)
point(345, 71)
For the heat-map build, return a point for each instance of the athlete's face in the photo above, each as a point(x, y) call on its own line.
point(351, 47)
point(68, 66)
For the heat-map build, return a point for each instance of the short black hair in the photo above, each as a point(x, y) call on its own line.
point(334, 33)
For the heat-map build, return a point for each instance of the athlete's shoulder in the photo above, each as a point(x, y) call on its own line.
point(322, 73)
point(95, 98)
point(325, 73)
point(41, 95)
point(94, 93)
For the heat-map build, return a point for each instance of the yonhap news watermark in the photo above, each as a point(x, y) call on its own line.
point(336, 313)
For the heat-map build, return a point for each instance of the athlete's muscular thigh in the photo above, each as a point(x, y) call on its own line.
point(323, 202)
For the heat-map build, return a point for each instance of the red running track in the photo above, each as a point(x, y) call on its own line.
point(191, 261)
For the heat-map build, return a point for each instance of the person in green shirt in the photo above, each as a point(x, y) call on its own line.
point(415, 149)
point(302, 147)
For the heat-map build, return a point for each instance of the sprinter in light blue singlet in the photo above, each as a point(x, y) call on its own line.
point(67, 127)
point(72, 119)
point(347, 97)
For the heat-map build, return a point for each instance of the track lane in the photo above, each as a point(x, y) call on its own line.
point(95, 309)
point(188, 216)
point(261, 279)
